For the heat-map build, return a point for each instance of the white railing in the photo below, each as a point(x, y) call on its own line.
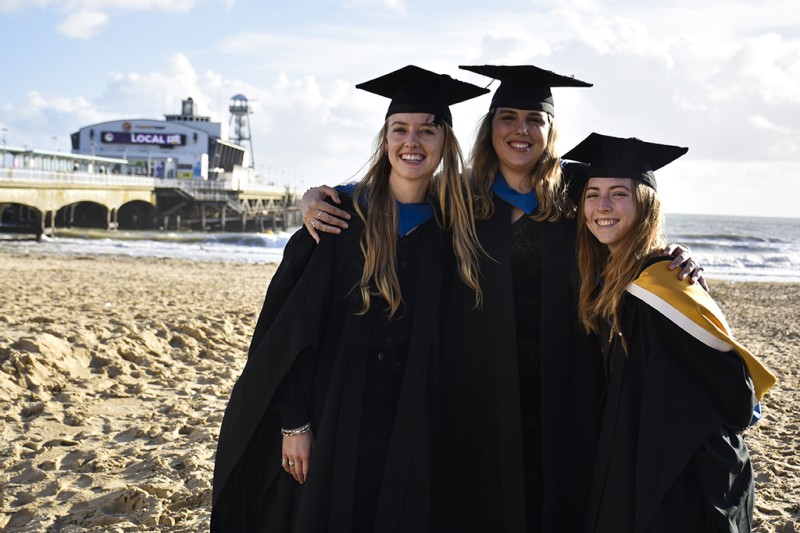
point(251, 186)
point(194, 185)
point(223, 185)
point(34, 176)
point(20, 175)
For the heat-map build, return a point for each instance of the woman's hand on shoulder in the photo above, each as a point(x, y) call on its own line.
point(319, 215)
point(682, 257)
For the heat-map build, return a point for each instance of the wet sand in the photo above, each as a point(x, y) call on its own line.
point(115, 372)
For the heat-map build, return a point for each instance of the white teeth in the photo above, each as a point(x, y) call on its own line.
point(412, 157)
point(605, 222)
point(519, 145)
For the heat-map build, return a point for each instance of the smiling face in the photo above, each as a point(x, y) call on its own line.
point(519, 138)
point(609, 208)
point(414, 147)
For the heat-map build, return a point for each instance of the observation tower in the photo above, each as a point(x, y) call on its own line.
point(239, 125)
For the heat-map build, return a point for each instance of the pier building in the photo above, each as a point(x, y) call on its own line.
point(141, 174)
point(182, 146)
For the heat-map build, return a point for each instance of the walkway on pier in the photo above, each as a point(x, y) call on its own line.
point(40, 190)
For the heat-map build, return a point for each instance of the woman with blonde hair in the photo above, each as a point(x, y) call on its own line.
point(680, 390)
point(329, 427)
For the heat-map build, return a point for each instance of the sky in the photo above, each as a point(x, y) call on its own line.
point(721, 77)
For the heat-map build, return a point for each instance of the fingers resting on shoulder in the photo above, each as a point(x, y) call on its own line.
point(690, 268)
point(319, 215)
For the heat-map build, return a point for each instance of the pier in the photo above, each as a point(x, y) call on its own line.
point(42, 191)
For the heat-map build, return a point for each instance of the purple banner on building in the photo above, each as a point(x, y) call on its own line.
point(160, 139)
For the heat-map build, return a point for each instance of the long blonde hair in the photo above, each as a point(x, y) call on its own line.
point(452, 207)
point(546, 176)
point(604, 276)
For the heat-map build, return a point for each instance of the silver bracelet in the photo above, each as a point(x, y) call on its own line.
point(296, 431)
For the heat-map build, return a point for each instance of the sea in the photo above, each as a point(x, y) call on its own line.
point(729, 248)
point(740, 248)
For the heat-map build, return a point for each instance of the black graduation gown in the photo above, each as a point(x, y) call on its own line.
point(670, 456)
point(478, 466)
point(308, 322)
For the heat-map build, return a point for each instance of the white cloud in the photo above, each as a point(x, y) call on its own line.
point(85, 18)
point(510, 47)
point(397, 6)
point(320, 131)
point(39, 117)
point(83, 24)
point(771, 65)
point(8, 6)
point(158, 92)
point(173, 6)
point(763, 123)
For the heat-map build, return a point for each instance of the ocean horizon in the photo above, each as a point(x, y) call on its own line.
point(740, 248)
point(728, 247)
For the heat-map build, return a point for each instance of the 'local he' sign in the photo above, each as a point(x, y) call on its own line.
point(162, 139)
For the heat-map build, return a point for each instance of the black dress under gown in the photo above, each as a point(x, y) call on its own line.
point(526, 275)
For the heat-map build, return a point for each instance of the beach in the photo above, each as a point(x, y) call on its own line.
point(115, 372)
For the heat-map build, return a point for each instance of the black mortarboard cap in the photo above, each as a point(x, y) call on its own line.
point(525, 86)
point(415, 90)
point(615, 157)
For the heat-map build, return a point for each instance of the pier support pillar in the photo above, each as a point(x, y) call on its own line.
point(111, 219)
point(40, 227)
point(47, 225)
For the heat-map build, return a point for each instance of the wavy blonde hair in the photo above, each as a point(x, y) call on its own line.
point(546, 177)
point(447, 192)
point(599, 302)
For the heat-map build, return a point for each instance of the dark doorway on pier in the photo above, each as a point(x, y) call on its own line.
point(137, 215)
point(20, 218)
point(83, 215)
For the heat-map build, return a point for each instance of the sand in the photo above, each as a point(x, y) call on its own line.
point(115, 372)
